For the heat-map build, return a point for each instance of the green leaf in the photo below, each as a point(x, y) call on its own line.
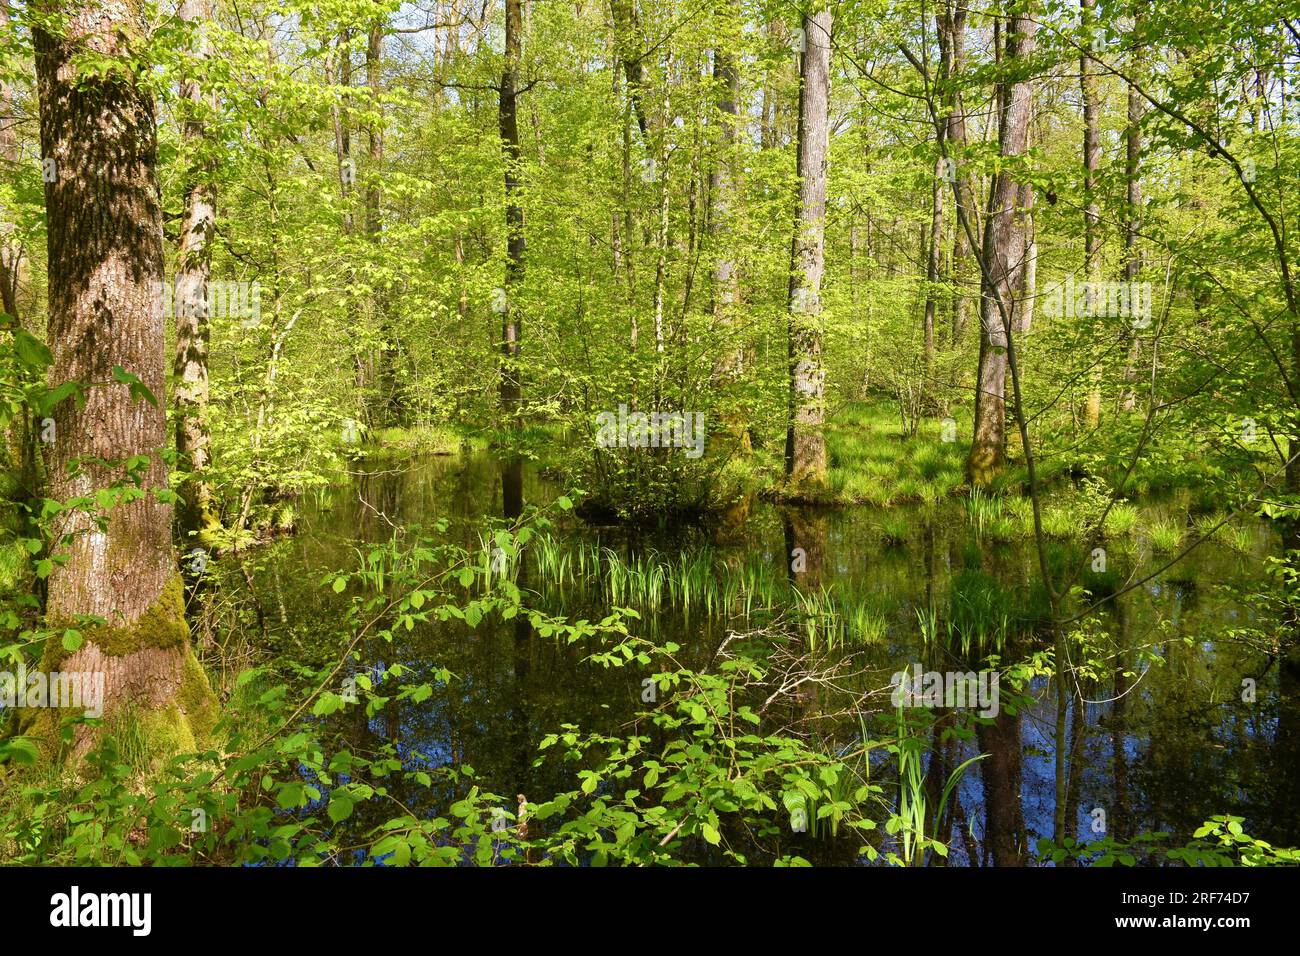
point(31, 350)
point(340, 807)
point(19, 750)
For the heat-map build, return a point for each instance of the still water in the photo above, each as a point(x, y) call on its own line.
point(1161, 750)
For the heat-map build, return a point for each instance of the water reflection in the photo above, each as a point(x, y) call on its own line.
point(1150, 747)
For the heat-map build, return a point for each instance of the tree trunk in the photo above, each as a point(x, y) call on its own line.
point(1092, 210)
point(13, 268)
point(11, 251)
point(511, 388)
point(933, 255)
point(805, 445)
point(193, 271)
point(391, 405)
point(1003, 261)
point(1132, 227)
point(106, 271)
point(952, 61)
point(1024, 320)
point(1004, 820)
point(727, 76)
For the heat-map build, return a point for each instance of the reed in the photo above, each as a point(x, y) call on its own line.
point(700, 582)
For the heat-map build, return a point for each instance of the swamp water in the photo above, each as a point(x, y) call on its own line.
point(1162, 750)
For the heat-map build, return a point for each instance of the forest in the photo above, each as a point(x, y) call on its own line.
point(579, 433)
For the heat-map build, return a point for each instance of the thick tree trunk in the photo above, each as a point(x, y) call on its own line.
point(1005, 839)
point(106, 271)
point(805, 445)
point(193, 270)
point(1003, 261)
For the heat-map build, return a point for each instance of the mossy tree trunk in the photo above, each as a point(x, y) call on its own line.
point(805, 446)
point(105, 307)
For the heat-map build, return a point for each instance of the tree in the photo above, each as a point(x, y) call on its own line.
point(389, 405)
point(1092, 207)
point(516, 247)
point(805, 446)
point(193, 271)
point(725, 285)
point(1132, 220)
point(1003, 259)
point(106, 328)
point(951, 28)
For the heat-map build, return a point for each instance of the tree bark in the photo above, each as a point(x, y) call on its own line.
point(508, 115)
point(1003, 262)
point(193, 271)
point(952, 62)
point(1132, 228)
point(1092, 210)
point(391, 405)
point(106, 269)
point(805, 446)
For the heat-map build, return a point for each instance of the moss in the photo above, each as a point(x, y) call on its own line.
point(183, 724)
point(984, 466)
point(162, 734)
point(161, 625)
point(196, 699)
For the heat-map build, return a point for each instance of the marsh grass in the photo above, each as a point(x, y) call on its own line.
point(699, 582)
point(914, 818)
point(1122, 520)
point(402, 443)
point(870, 461)
point(1234, 536)
point(1166, 534)
point(977, 619)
